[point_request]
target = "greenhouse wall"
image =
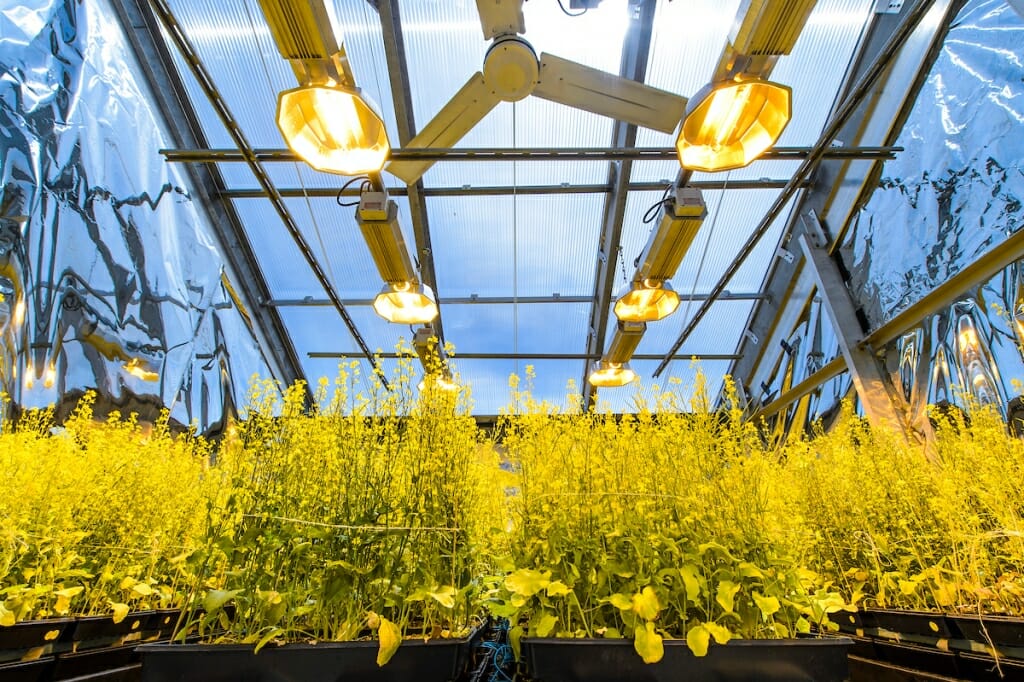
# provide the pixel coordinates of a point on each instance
(954, 193)
(111, 279)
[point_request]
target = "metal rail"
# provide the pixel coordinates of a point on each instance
(530, 154)
(523, 356)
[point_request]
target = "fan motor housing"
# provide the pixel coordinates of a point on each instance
(511, 68)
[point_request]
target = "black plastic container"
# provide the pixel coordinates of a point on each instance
(924, 658)
(92, 631)
(921, 623)
(981, 667)
(1002, 631)
(431, 661)
(19, 639)
(94, 662)
(28, 671)
(615, 660)
(848, 621)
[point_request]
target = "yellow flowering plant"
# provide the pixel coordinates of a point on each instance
(648, 526)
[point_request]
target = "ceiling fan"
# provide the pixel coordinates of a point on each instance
(512, 70)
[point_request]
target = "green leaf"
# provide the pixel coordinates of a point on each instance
(621, 601)
(527, 582)
(749, 570)
(6, 616)
(721, 549)
(390, 637)
(645, 604)
(515, 636)
(557, 588)
(768, 605)
(719, 632)
(648, 643)
(142, 589)
(265, 639)
(688, 573)
(908, 587)
(545, 625)
(726, 595)
(445, 596)
(216, 599)
(698, 639)
(803, 626)
(120, 612)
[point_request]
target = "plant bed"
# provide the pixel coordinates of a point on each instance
(94, 662)
(602, 660)
(998, 631)
(431, 661)
(923, 658)
(981, 667)
(870, 670)
(923, 623)
(93, 631)
(28, 671)
(850, 622)
(34, 638)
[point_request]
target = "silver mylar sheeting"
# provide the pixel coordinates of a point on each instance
(955, 192)
(111, 280)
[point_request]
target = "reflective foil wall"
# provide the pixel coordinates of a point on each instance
(110, 278)
(953, 194)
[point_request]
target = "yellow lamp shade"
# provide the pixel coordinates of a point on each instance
(605, 374)
(646, 302)
(732, 124)
(406, 303)
(333, 129)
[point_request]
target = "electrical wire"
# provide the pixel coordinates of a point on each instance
(570, 14)
(362, 188)
(651, 213)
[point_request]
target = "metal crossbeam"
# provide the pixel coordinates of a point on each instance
(506, 190)
(880, 403)
(530, 154)
(247, 154)
(523, 356)
(309, 301)
(632, 65)
(206, 183)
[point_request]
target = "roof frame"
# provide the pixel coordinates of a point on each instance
(633, 65)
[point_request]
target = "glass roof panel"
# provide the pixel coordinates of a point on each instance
(488, 380)
(553, 239)
(285, 270)
(542, 327)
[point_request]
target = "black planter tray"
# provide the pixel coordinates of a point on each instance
(439, 660)
(102, 630)
(615, 660)
(981, 667)
(1002, 631)
(17, 639)
(94, 662)
(924, 658)
(848, 621)
(923, 623)
(28, 671)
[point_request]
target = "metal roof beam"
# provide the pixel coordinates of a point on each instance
(464, 154)
(521, 356)
(633, 65)
(207, 185)
(401, 95)
(492, 300)
(842, 186)
(505, 190)
(177, 34)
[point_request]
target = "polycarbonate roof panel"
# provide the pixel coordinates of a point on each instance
(716, 334)
(320, 329)
(552, 239)
(519, 328)
(488, 380)
(287, 273)
(446, 47)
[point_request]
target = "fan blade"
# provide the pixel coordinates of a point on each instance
(499, 17)
(603, 93)
(467, 108)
